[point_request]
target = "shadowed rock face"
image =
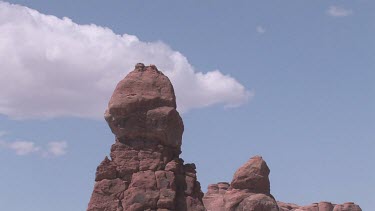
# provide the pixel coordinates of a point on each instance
(144, 171)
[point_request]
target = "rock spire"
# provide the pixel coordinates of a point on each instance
(144, 171)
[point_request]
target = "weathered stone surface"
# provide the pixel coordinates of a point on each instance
(143, 106)
(107, 195)
(139, 198)
(144, 171)
(233, 197)
(348, 206)
(214, 198)
(257, 202)
(222, 197)
(106, 170)
(194, 204)
(165, 179)
(250, 191)
(144, 179)
(166, 199)
(325, 206)
(286, 206)
(321, 206)
(173, 166)
(311, 207)
(253, 176)
(144, 88)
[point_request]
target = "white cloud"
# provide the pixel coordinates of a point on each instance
(57, 148)
(337, 11)
(54, 149)
(260, 29)
(53, 67)
(23, 147)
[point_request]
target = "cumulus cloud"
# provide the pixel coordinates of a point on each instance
(53, 67)
(53, 149)
(336, 11)
(260, 29)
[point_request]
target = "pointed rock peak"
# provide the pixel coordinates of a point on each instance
(253, 176)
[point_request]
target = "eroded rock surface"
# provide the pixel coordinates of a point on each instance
(253, 176)
(250, 191)
(144, 171)
(321, 206)
(143, 106)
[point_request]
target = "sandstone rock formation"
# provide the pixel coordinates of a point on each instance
(250, 191)
(144, 171)
(321, 206)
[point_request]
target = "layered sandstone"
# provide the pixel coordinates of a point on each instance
(144, 171)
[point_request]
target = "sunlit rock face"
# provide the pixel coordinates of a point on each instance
(144, 171)
(321, 206)
(250, 191)
(253, 176)
(143, 106)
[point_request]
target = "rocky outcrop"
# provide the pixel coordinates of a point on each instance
(321, 206)
(144, 171)
(253, 176)
(143, 106)
(250, 191)
(214, 198)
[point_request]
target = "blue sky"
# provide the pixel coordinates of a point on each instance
(292, 81)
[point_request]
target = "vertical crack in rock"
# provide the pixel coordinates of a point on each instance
(144, 171)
